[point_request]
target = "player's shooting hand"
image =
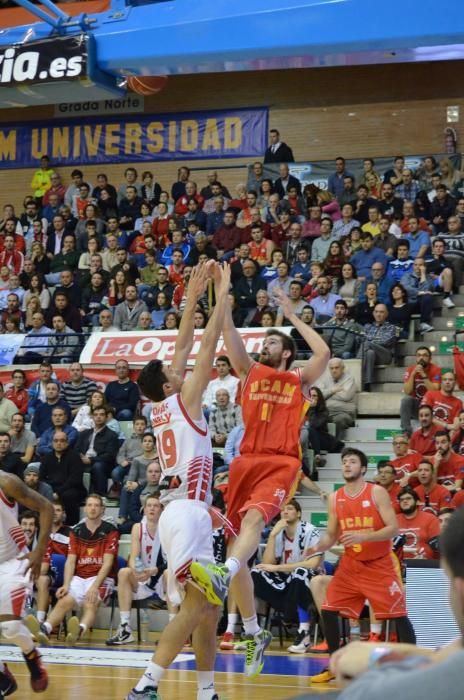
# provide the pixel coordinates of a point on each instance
(222, 279)
(34, 562)
(283, 301)
(350, 538)
(197, 282)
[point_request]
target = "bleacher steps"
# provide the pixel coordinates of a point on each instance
(375, 404)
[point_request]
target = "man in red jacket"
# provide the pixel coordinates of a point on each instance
(418, 379)
(419, 528)
(445, 405)
(423, 439)
(432, 496)
(405, 462)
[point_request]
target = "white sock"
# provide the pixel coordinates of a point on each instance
(303, 627)
(205, 682)
(152, 676)
(83, 627)
(41, 615)
(232, 620)
(125, 618)
(233, 565)
(251, 625)
(376, 628)
(48, 627)
(171, 616)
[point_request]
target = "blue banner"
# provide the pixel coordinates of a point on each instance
(131, 138)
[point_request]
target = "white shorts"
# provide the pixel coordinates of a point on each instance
(186, 535)
(143, 591)
(15, 586)
(79, 587)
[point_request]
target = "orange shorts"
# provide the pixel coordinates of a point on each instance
(264, 482)
(376, 580)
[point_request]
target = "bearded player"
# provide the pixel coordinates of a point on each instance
(18, 569)
(186, 458)
(362, 518)
(274, 403)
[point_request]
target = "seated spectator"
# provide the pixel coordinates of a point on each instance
(31, 478)
(378, 344)
(10, 462)
(255, 315)
(248, 285)
(145, 322)
(440, 271)
(52, 569)
(418, 527)
(457, 436)
(423, 439)
(176, 267)
(372, 224)
(419, 287)
(12, 310)
(342, 332)
(315, 432)
(282, 578)
(7, 411)
(126, 314)
(402, 263)
(29, 524)
(301, 268)
(91, 582)
(23, 440)
(260, 248)
(224, 380)
(66, 259)
(72, 290)
(419, 240)
(134, 584)
(432, 496)
(399, 310)
(343, 226)
(228, 236)
(385, 240)
(178, 243)
(129, 268)
(83, 419)
(37, 390)
(339, 391)
(130, 448)
(123, 394)
(382, 282)
(362, 204)
(224, 416)
(445, 406)
(201, 247)
(58, 423)
(297, 302)
(65, 344)
(449, 467)
(405, 462)
(117, 288)
(389, 204)
(348, 286)
(136, 478)
(352, 243)
(37, 289)
(386, 477)
(43, 413)
(153, 476)
(62, 306)
(171, 321)
(77, 389)
(418, 379)
(443, 206)
(365, 258)
(94, 299)
(308, 318)
(334, 261)
(324, 304)
(283, 280)
(105, 318)
(321, 246)
(454, 247)
(98, 448)
(35, 345)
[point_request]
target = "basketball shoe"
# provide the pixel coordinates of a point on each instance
(148, 693)
(123, 636)
(75, 631)
(324, 676)
(38, 630)
(255, 646)
(39, 675)
(8, 683)
(301, 644)
(212, 580)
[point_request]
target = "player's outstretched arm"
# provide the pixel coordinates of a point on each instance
(240, 359)
(184, 340)
(193, 388)
(17, 490)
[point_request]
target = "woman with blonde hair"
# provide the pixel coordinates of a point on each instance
(40, 260)
(84, 420)
(329, 205)
(449, 175)
(32, 307)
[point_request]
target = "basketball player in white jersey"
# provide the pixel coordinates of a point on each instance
(185, 453)
(139, 585)
(18, 569)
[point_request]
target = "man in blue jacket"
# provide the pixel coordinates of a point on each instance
(364, 259)
(43, 414)
(123, 394)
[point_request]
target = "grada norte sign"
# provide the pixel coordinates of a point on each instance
(139, 347)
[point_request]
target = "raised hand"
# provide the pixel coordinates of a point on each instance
(222, 278)
(283, 301)
(197, 282)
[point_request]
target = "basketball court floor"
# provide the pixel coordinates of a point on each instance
(95, 672)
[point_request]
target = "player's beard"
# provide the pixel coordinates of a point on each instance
(269, 360)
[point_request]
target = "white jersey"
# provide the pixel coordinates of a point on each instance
(185, 452)
(149, 546)
(12, 537)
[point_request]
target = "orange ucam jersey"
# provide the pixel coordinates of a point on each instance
(360, 513)
(274, 404)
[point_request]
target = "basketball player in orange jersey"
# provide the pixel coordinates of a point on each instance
(274, 402)
(18, 569)
(362, 518)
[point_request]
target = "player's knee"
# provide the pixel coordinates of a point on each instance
(124, 574)
(252, 519)
(12, 629)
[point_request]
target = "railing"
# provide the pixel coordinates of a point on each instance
(61, 347)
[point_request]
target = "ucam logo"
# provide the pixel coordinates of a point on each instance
(61, 58)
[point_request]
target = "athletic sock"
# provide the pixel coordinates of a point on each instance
(376, 628)
(48, 627)
(41, 615)
(232, 620)
(205, 682)
(151, 677)
(83, 627)
(251, 625)
(233, 565)
(303, 619)
(125, 618)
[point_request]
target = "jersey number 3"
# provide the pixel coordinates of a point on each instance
(168, 449)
